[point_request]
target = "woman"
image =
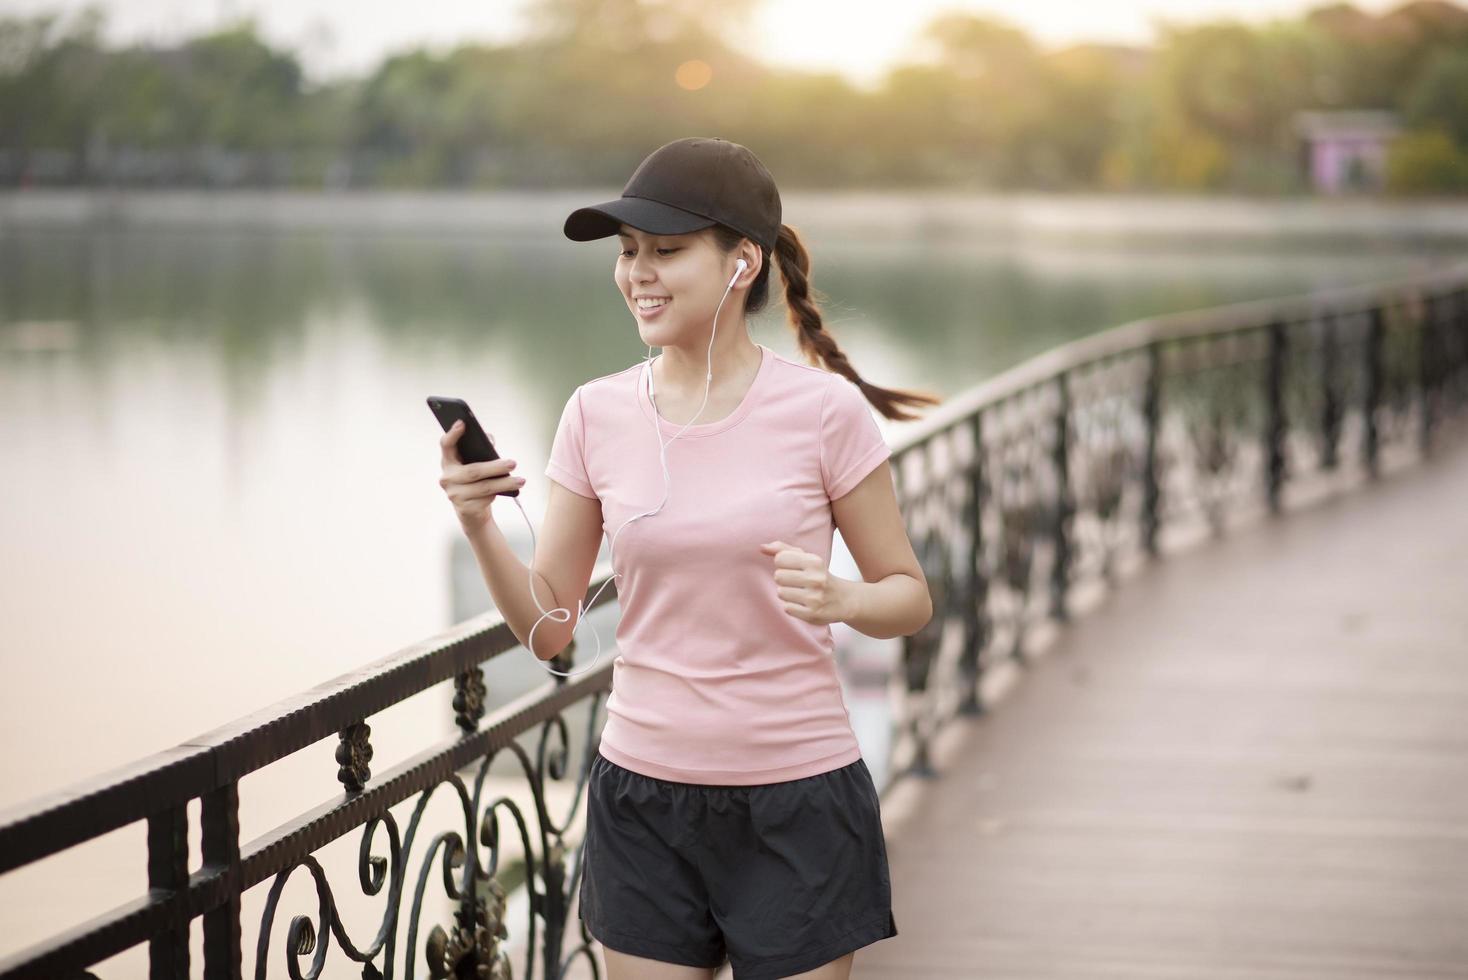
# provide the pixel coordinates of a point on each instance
(729, 811)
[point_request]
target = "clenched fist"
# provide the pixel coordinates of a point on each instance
(811, 593)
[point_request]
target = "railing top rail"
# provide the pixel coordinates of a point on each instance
(128, 793)
(1128, 337)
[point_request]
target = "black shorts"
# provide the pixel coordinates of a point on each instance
(779, 878)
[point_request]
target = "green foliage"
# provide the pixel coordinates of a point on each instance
(596, 83)
(231, 89)
(1438, 98)
(1427, 162)
(49, 73)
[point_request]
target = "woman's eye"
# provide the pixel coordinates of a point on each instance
(629, 251)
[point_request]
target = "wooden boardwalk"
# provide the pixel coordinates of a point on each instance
(1250, 762)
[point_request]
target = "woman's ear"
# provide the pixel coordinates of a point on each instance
(750, 253)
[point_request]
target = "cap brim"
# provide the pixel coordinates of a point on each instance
(653, 217)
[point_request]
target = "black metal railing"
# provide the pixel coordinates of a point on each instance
(1039, 488)
(1028, 496)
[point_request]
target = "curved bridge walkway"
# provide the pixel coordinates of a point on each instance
(1250, 761)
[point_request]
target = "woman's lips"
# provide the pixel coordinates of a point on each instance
(649, 314)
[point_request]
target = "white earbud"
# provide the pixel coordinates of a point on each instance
(740, 266)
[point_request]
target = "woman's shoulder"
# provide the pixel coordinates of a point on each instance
(799, 370)
(615, 382)
(612, 376)
(835, 399)
(808, 379)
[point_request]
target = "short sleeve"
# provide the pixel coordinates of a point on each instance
(851, 444)
(567, 463)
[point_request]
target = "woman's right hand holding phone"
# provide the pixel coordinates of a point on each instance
(472, 487)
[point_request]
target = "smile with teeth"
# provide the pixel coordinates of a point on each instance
(648, 303)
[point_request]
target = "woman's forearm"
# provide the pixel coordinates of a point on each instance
(898, 605)
(508, 580)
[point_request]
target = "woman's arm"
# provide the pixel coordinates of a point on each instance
(565, 554)
(893, 599)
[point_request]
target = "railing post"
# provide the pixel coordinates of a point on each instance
(1426, 373)
(1151, 483)
(1330, 409)
(1454, 351)
(1461, 365)
(553, 907)
(1275, 423)
(918, 649)
(1375, 342)
(221, 851)
(976, 623)
(1064, 506)
(168, 874)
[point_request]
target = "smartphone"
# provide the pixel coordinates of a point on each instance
(474, 445)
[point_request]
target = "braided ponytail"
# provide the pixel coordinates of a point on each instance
(814, 340)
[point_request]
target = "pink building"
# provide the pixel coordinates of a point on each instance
(1345, 150)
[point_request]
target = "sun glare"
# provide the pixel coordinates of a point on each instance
(693, 75)
(817, 35)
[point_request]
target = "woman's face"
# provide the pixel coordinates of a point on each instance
(689, 272)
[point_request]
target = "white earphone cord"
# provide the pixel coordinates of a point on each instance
(663, 457)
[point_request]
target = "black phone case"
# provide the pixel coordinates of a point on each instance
(474, 446)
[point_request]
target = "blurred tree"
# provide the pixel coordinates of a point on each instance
(427, 117)
(809, 122)
(627, 25)
(1241, 88)
(1427, 162)
(999, 78)
(1373, 59)
(1082, 96)
(601, 84)
(1157, 152)
(1438, 97)
(49, 75)
(1240, 85)
(913, 117)
(980, 47)
(230, 88)
(597, 83)
(1357, 61)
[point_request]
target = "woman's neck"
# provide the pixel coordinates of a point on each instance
(682, 372)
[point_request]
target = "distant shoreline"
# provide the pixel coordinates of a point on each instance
(939, 214)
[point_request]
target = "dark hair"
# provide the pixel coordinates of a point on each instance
(815, 341)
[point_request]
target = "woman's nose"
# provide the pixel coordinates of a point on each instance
(639, 269)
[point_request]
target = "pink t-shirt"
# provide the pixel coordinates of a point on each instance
(714, 682)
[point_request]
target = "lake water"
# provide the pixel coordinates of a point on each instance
(220, 477)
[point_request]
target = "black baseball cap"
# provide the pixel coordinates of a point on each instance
(685, 185)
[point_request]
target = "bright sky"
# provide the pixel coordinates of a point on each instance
(347, 36)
